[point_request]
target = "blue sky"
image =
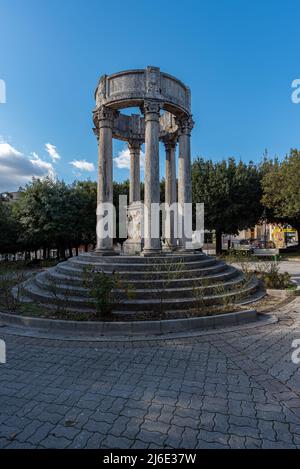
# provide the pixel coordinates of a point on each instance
(239, 58)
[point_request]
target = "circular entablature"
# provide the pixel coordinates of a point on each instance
(131, 88)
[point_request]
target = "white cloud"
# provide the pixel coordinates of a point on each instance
(42, 165)
(51, 150)
(83, 165)
(122, 161)
(16, 169)
(6, 150)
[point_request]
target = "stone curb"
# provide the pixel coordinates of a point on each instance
(131, 328)
(35, 333)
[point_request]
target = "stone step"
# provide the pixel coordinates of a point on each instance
(92, 257)
(166, 290)
(33, 291)
(204, 269)
(216, 275)
(256, 295)
(171, 304)
(149, 265)
(201, 280)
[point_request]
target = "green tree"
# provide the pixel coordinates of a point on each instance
(44, 212)
(281, 189)
(231, 193)
(9, 230)
(82, 213)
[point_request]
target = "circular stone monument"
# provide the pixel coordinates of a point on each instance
(168, 275)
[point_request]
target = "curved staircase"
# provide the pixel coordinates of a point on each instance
(178, 281)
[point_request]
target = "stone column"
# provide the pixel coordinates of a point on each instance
(152, 244)
(170, 191)
(104, 117)
(135, 185)
(185, 125)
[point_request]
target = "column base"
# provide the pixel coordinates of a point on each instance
(151, 252)
(168, 246)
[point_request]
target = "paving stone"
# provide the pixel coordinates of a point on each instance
(8, 432)
(95, 441)
(41, 433)
(151, 437)
(266, 430)
(174, 437)
(55, 443)
(154, 426)
(243, 421)
(154, 411)
(296, 440)
(213, 437)
(237, 442)
(29, 430)
(4, 442)
(266, 444)
(202, 444)
(207, 421)
(189, 439)
(133, 412)
(138, 444)
(185, 422)
(221, 423)
(97, 426)
(18, 445)
(68, 432)
(253, 443)
(106, 417)
(113, 442)
(236, 389)
(119, 426)
(80, 441)
(166, 414)
(283, 432)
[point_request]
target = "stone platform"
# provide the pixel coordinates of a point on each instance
(175, 281)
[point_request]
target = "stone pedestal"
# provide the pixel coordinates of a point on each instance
(134, 243)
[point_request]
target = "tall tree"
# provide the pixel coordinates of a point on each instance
(83, 201)
(281, 189)
(231, 193)
(43, 211)
(9, 230)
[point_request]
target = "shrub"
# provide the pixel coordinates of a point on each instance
(272, 278)
(102, 288)
(10, 277)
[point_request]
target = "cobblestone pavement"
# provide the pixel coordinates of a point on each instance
(231, 390)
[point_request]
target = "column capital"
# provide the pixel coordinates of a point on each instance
(185, 124)
(151, 108)
(134, 144)
(170, 142)
(104, 117)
